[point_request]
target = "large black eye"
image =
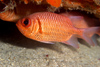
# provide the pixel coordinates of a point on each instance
(26, 22)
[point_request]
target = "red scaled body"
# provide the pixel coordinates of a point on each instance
(51, 27)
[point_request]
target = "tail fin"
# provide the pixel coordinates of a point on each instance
(88, 33)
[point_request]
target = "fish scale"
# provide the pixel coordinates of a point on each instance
(50, 27)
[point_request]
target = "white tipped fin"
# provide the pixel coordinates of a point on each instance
(72, 41)
(88, 33)
(88, 40)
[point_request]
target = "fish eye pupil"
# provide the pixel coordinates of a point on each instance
(26, 22)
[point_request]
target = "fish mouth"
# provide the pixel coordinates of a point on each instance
(18, 25)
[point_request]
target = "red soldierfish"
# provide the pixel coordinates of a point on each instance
(50, 27)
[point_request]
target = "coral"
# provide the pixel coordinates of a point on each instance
(90, 6)
(55, 3)
(86, 5)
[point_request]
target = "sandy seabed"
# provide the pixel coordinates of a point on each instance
(19, 51)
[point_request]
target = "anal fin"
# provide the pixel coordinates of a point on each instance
(72, 41)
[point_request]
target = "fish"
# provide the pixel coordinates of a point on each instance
(9, 15)
(50, 27)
